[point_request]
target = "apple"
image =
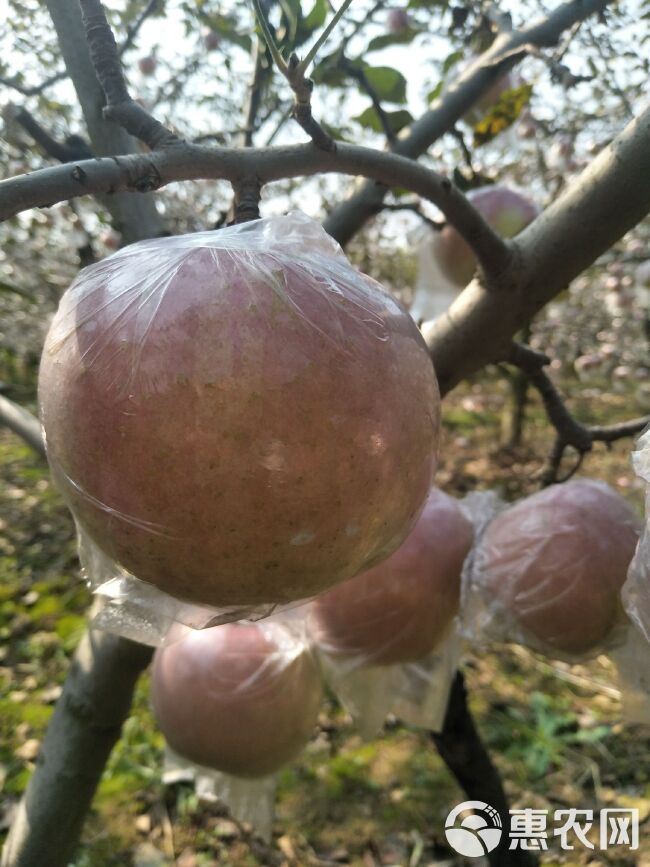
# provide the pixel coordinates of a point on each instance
(506, 210)
(399, 610)
(397, 20)
(242, 698)
(555, 562)
(211, 40)
(239, 417)
(111, 239)
(147, 65)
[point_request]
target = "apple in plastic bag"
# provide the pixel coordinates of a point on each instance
(239, 417)
(555, 563)
(401, 609)
(507, 212)
(242, 698)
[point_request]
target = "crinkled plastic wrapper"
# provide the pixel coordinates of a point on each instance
(636, 591)
(224, 414)
(416, 693)
(236, 703)
(632, 660)
(251, 801)
(514, 586)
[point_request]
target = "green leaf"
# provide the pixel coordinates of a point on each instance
(451, 60)
(225, 27)
(388, 83)
(502, 114)
(327, 72)
(437, 90)
(397, 120)
(316, 17)
(406, 35)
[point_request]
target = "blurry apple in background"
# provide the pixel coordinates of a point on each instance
(211, 40)
(506, 210)
(242, 698)
(554, 564)
(398, 20)
(111, 239)
(401, 609)
(147, 65)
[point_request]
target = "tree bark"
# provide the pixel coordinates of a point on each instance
(133, 215)
(22, 423)
(85, 725)
(462, 750)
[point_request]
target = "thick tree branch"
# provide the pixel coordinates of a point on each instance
(22, 423)
(86, 723)
(120, 108)
(610, 197)
(134, 216)
(74, 148)
(462, 750)
(190, 162)
(506, 51)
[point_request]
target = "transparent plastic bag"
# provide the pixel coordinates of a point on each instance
(636, 591)
(547, 572)
(251, 801)
(416, 693)
(241, 698)
(386, 637)
(632, 660)
(225, 413)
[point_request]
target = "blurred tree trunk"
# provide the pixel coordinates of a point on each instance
(134, 215)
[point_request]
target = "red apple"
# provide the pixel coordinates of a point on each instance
(147, 65)
(241, 698)
(397, 20)
(239, 417)
(399, 610)
(507, 211)
(555, 563)
(111, 239)
(211, 40)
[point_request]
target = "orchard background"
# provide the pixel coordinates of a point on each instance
(572, 288)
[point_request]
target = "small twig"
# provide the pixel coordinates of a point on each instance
(278, 59)
(467, 154)
(363, 22)
(74, 148)
(294, 72)
(570, 433)
(254, 94)
(416, 209)
(358, 74)
(313, 51)
(120, 108)
(36, 89)
(134, 29)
